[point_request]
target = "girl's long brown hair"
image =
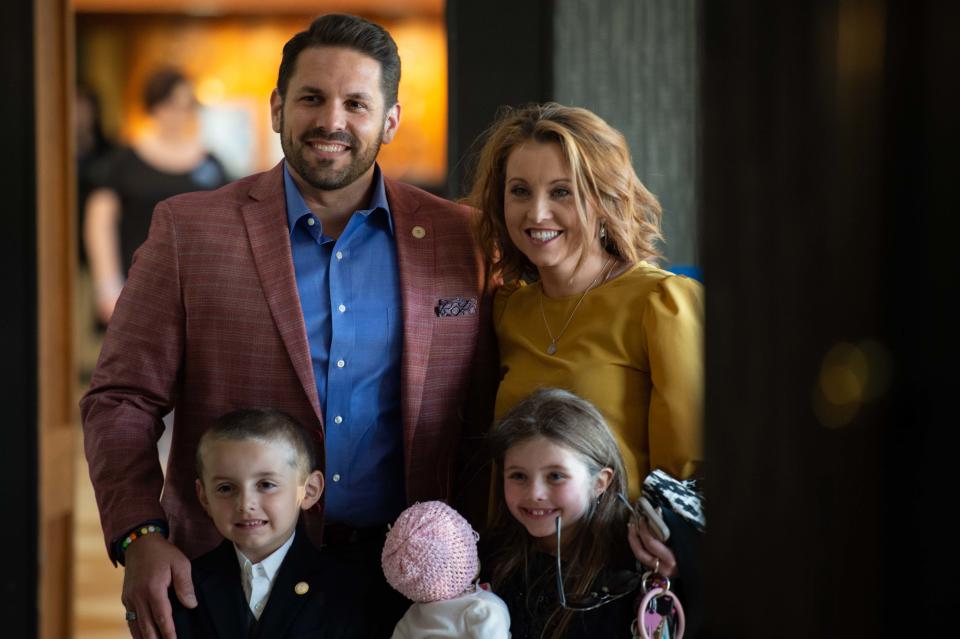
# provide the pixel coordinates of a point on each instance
(603, 177)
(574, 423)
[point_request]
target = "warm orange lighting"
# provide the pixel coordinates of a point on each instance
(210, 90)
(423, 102)
(233, 62)
(275, 7)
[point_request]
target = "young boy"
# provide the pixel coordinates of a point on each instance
(256, 472)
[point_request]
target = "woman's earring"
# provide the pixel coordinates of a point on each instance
(603, 231)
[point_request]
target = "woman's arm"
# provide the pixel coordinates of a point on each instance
(101, 240)
(673, 330)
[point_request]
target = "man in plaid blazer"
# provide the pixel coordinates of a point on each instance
(225, 307)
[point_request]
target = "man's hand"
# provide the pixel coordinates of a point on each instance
(152, 564)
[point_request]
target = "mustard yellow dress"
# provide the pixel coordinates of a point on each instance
(634, 348)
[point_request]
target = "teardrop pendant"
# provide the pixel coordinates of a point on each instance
(552, 348)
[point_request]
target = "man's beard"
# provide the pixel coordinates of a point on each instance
(322, 175)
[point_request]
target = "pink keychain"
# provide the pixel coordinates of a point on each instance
(660, 615)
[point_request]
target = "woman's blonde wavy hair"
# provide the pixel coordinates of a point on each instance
(603, 177)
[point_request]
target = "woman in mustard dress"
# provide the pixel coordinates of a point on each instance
(573, 232)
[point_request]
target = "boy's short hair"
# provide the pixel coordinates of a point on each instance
(264, 424)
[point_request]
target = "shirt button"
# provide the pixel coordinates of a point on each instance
(339, 255)
(341, 363)
(338, 420)
(311, 221)
(342, 308)
(336, 477)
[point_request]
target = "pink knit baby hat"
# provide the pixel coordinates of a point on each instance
(430, 553)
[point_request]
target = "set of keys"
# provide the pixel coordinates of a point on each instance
(660, 615)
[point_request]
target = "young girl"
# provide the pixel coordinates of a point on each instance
(559, 460)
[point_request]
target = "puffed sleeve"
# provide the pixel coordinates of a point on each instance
(673, 328)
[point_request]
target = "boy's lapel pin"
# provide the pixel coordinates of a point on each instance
(301, 588)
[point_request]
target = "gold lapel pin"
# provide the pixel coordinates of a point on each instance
(301, 588)
(418, 232)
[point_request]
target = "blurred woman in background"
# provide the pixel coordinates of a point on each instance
(167, 160)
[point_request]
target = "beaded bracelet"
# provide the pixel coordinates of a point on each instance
(140, 532)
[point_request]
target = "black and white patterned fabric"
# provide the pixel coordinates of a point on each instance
(682, 497)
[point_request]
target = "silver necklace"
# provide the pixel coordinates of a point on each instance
(552, 348)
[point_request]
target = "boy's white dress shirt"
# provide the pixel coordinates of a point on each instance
(258, 578)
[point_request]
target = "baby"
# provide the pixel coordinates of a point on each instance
(430, 556)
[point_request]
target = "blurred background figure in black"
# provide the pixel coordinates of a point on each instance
(92, 145)
(167, 159)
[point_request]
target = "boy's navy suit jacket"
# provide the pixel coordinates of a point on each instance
(325, 611)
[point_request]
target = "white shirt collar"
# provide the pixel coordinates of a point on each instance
(257, 579)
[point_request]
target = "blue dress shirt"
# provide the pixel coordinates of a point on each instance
(350, 294)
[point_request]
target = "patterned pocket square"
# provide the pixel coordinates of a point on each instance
(453, 306)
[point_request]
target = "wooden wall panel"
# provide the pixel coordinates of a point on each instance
(56, 257)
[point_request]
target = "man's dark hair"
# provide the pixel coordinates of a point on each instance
(160, 85)
(264, 424)
(352, 32)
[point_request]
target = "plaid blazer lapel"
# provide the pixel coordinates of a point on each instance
(266, 221)
(416, 261)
